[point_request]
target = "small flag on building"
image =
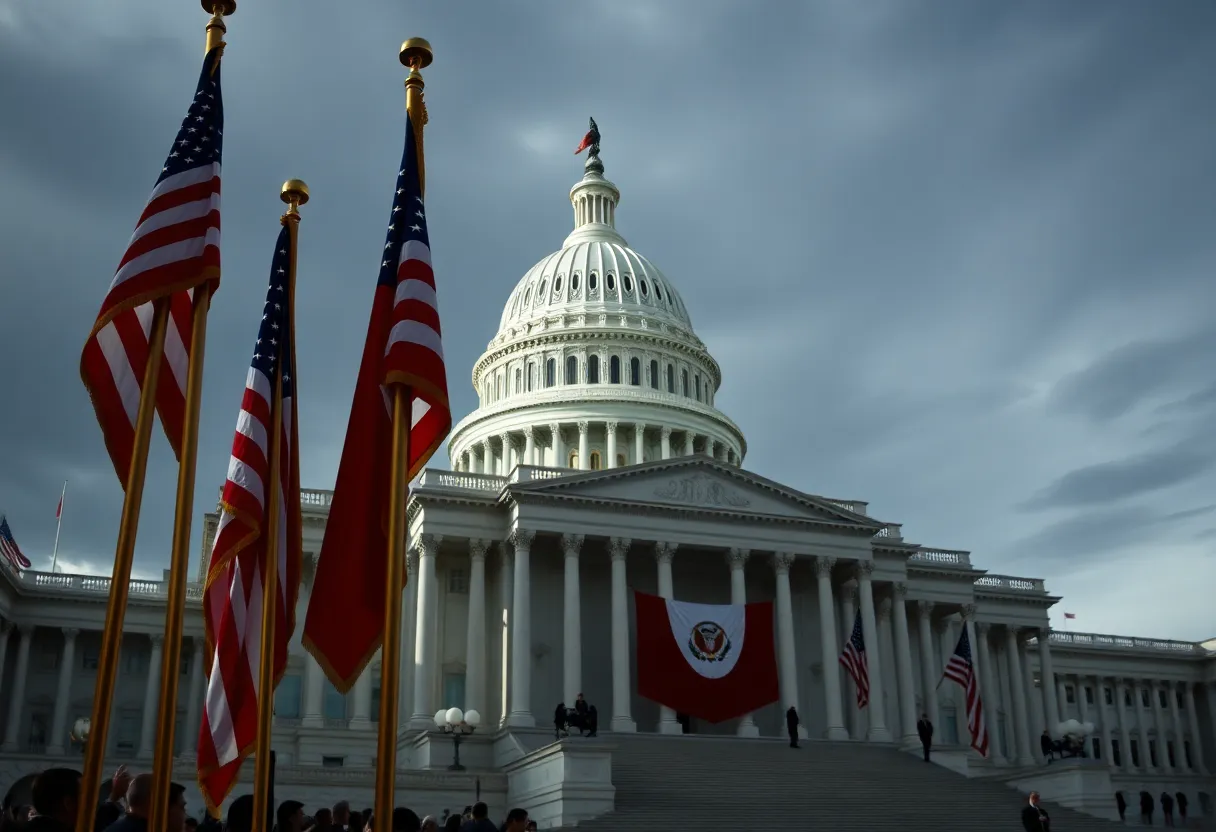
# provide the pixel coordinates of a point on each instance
(853, 657)
(1070, 615)
(10, 548)
(961, 669)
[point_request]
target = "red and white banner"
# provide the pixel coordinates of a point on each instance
(712, 661)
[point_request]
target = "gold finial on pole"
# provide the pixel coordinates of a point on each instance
(218, 9)
(295, 194)
(416, 55)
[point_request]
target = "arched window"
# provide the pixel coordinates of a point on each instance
(540, 295)
(697, 380)
(519, 375)
(628, 281)
(635, 371)
(684, 382)
(611, 282)
(571, 370)
(593, 369)
(671, 379)
(497, 387)
(642, 285)
(527, 296)
(572, 460)
(531, 375)
(574, 283)
(654, 374)
(557, 284)
(551, 372)
(620, 460)
(596, 462)
(658, 291)
(614, 370)
(593, 280)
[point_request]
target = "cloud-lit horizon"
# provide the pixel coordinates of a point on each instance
(954, 259)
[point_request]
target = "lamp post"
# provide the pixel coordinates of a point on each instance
(80, 732)
(459, 724)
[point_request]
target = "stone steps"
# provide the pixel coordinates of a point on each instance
(684, 782)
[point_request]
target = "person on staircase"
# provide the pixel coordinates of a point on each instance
(560, 718)
(1167, 808)
(1034, 816)
(1047, 746)
(1121, 805)
(1181, 806)
(924, 730)
(1146, 808)
(791, 725)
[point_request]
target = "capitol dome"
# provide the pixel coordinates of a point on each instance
(595, 363)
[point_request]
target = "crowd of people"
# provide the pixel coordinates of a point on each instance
(56, 803)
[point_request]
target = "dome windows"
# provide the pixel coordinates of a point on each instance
(551, 372)
(593, 282)
(671, 379)
(593, 369)
(527, 296)
(572, 460)
(544, 285)
(614, 370)
(628, 281)
(635, 371)
(643, 288)
(658, 291)
(697, 385)
(684, 382)
(571, 370)
(557, 285)
(574, 282)
(596, 461)
(654, 375)
(611, 282)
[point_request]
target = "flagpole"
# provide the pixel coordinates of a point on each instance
(170, 669)
(58, 527)
(416, 54)
(124, 553)
(295, 194)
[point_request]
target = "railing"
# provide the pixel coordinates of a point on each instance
(891, 531)
(315, 498)
(1009, 583)
(954, 558)
(855, 506)
(95, 584)
(1106, 642)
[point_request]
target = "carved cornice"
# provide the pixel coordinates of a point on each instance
(664, 551)
(899, 591)
(428, 545)
(924, 609)
(521, 539)
(478, 548)
(736, 558)
(782, 561)
(968, 611)
(884, 609)
(618, 547)
(864, 570)
(824, 566)
(572, 544)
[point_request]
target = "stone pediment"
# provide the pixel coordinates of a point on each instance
(699, 484)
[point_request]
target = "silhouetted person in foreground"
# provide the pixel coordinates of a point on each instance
(924, 730)
(1167, 808)
(791, 726)
(56, 796)
(481, 820)
(1146, 808)
(1181, 806)
(1121, 805)
(1034, 816)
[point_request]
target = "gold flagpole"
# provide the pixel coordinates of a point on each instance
(170, 671)
(120, 579)
(295, 194)
(416, 54)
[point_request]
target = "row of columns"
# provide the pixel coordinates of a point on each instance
(57, 742)
(500, 454)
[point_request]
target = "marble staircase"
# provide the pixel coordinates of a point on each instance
(667, 783)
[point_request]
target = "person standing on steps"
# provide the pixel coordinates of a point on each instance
(1034, 816)
(791, 725)
(1181, 806)
(1167, 808)
(1121, 805)
(1146, 808)
(924, 730)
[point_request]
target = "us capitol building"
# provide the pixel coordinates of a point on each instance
(596, 463)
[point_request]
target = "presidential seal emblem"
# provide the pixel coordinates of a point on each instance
(708, 642)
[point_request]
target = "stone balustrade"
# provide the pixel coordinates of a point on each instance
(955, 558)
(1011, 583)
(32, 579)
(1108, 642)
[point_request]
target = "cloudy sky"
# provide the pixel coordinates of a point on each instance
(955, 258)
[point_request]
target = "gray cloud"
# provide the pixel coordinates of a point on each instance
(1103, 534)
(1109, 482)
(920, 240)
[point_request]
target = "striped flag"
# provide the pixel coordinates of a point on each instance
(404, 348)
(853, 657)
(232, 598)
(961, 669)
(175, 248)
(9, 548)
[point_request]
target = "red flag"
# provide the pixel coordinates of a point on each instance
(712, 661)
(175, 248)
(1070, 615)
(345, 621)
(961, 670)
(232, 597)
(59, 508)
(587, 141)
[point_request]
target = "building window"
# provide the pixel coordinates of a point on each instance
(1127, 698)
(1135, 747)
(1097, 748)
(572, 460)
(531, 375)
(458, 582)
(287, 698)
(1152, 754)
(697, 379)
(551, 372)
(1108, 695)
(332, 761)
(333, 704)
(1163, 699)
(518, 381)
(611, 283)
(453, 690)
(376, 699)
(89, 657)
(1115, 754)
(684, 382)
(557, 284)
(654, 375)
(1178, 699)
(635, 371)
(1169, 753)
(614, 370)
(574, 283)
(593, 281)
(593, 369)
(527, 296)
(572, 370)
(1070, 695)
(671, 379)
(1144, 698)
(596, 462)
(497, 388)
(128, 730)
(1089, 696)
(643, 287)
(48, 660)
(620, 461)
(544, 285)
(628, 281)
(135, 663)
(1186, 753)
(658, 291)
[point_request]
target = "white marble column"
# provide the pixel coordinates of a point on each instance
(314, 693)
(559, 447)
(622, 688)
(1037, 721)
(63, 692)
(663, 554)
(611, 428)
(903, 667)
(830, 648)
(361, 720)
(886, 653)
(1078, 689)
(786, 651)
(572, 621)
(865, 594)
(1192, 718)
(147, 731)
(944, 628)
(1021, 733)
(423, 717)
(1159, 732)
(928, 665)
(736, 559)
(689, 439)
(1062, 697)
(529, 446)
(848, 613)
(13, 728)
(487, 458)
(409, 628)
(195, 698)
(1009, 748)
(1171, 691)
(506, 592)
(6, 627)
(639, 443)
(475, 633)
(665, 443)
(709, 447)
(520, 715)
(1125, 735)
(1146, 757)
(988, 689)
(1103, 720)
(1047, 679)
(584, 452)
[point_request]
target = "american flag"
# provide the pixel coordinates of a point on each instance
(10, 548)
(232, 599)
(961, 669)
(403, 348)
(175, 248)
(853, 657)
